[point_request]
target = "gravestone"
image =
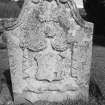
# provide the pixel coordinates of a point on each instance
(50, 50)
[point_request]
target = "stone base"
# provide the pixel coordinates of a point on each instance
(50, 97)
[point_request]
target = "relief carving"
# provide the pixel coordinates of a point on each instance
(54, 45)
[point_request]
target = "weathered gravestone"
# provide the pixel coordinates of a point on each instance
(50, 50)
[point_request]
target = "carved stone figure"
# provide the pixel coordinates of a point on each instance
(49, 49)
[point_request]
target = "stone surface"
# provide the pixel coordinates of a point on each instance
(79, 3)
(50, 52)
